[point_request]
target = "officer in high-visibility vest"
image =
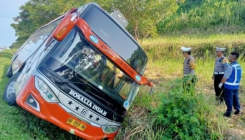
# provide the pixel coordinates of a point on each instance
(231, 81)
(221, 64)
(188, 69)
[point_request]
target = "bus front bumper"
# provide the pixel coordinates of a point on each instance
(55, 114)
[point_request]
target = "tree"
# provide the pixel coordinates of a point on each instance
(143, 15)
(36, 13)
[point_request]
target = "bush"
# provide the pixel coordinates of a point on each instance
(184, 115)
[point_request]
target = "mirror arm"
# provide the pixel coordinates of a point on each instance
(145, 81)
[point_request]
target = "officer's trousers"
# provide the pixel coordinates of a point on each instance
(218, 91)
(231, 98)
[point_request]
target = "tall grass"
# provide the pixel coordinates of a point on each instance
(207, 16)
(173, 114)
(194, 40)
(166, 58)
(203, 47)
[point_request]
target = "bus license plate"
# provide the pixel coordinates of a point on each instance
(76, 124)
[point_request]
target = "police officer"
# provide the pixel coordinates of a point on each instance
(231, 81)
(188, 69)
(221, 63)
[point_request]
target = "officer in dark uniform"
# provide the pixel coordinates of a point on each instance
(188, 69)
(221, 64)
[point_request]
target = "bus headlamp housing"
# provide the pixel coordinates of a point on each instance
(110, 129)
(45, 91)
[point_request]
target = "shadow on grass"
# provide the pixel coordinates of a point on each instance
(3, 78)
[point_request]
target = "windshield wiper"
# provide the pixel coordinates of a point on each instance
(67, 82)
(85, 83)
(56, 80)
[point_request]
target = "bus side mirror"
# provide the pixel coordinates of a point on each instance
(73, 10)
(65, 26)
(150, 84)
(152, 90)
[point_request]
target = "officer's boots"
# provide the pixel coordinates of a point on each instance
(227, 114)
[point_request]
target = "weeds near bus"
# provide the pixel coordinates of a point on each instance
(184, 115)
(178, 115)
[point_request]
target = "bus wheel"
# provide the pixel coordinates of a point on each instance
(9, 95)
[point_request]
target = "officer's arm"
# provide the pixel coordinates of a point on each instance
(192, 66)
(227, 74)
(225, 63)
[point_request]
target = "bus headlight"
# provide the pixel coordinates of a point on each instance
(45, 91)
(110, 129)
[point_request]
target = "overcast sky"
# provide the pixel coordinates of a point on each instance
(8, 10)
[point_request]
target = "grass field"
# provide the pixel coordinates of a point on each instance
(16, 123)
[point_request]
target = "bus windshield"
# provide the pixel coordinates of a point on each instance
(116, 37)
(76, 60)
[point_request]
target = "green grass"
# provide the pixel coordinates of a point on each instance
(167, 48)
(165, 65)
(189, 40)
(169, 69)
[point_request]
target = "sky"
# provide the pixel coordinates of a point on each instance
(8, 10)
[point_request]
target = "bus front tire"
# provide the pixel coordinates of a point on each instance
(9, 95)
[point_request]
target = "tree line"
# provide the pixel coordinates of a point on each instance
(147, 18)
(143, 15)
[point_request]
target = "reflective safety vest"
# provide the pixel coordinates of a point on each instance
(233, 81)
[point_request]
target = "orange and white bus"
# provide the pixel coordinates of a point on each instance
(80, 72)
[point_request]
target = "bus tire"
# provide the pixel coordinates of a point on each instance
(9, 95)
